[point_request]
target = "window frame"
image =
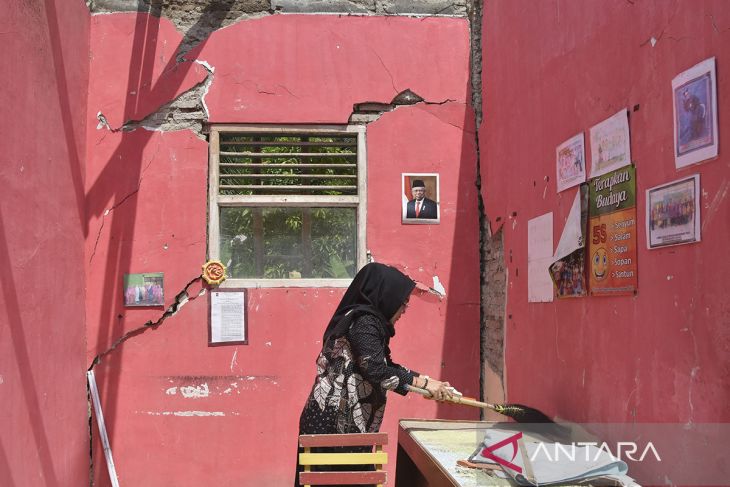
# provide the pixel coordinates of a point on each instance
(217, 201)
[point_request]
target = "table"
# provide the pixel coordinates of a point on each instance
(429, 449)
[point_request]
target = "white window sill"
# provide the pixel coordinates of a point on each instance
(270, 283)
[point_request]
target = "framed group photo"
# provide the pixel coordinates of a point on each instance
(673, 213)
(146, 289)
(420, 198)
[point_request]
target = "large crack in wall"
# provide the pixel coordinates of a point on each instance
(181, 299)
(492, 273)
(493, 302)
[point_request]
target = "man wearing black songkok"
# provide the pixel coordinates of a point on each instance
(420, 206)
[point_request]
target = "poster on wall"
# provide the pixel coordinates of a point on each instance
(610, 145)
(695, 114)
(673, 213)
(570, 157)
(227, 317)
(420, 198)
(568, 268)
(146, 289)
(539, 258)
(612, 266)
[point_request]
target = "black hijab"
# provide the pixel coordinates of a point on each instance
(377, 289)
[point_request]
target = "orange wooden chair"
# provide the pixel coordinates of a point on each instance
(308, 459)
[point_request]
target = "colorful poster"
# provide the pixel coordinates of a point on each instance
(568, 268)
(570, 162)
(612, 266)
(610, 147)
(695, 114)
(673, 213)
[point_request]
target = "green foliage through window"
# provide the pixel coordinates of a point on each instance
(257, 164)
(279, 240)
(284, 243)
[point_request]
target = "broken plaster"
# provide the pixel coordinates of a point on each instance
(370, 111)
(188, 111)
(185, 413)
(438, 287)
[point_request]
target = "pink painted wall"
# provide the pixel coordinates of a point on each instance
(44, 440)
(182, 413)
(551, 70)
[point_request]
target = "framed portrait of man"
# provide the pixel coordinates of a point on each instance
(420, 198)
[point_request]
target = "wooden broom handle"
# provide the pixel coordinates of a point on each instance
(467, 401)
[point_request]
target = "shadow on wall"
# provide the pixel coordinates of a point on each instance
(127, 159)
(15, 304)
(463, 299)
(24, 365)
(72, 143)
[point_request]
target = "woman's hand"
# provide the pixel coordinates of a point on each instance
(440, 391)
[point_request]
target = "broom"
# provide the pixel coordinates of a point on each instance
(518, 412)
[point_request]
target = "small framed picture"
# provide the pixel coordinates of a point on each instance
(420, 198)
(673, 213)
(145, 289)
(695, 114)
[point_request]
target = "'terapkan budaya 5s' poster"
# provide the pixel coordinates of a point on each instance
(612, 266)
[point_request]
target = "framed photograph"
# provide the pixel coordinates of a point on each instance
(673, 213)
(420, 198)
(227, 324)
(610, 144)
(695, 114)
(570, 162)
(145, 289)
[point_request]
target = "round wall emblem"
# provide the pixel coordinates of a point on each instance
(214, 272)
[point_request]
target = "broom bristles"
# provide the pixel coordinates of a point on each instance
(522, 413)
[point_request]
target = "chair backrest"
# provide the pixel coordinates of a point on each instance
(378, 458)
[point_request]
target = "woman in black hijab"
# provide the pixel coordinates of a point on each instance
(354, 368)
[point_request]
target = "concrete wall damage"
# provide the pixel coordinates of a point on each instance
(149, 165)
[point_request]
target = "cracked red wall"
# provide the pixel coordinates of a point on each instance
(44, 439)
(236, 424)
(554, 69)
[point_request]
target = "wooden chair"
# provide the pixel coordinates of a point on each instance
(378, 458)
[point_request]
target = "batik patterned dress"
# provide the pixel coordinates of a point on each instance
(354, 372)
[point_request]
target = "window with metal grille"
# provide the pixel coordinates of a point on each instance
(287, 203)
